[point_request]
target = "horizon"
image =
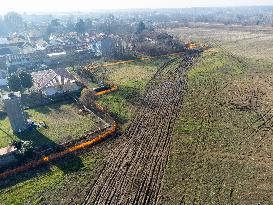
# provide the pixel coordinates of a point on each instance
(106, 5)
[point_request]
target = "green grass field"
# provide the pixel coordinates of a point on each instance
(222, 146)
(50, 185)
(63, 120)
(131, 80)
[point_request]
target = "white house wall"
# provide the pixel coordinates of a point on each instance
(49, 91)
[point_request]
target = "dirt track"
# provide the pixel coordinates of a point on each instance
(134, 172)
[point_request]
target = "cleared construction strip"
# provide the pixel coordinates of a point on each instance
(134, 170)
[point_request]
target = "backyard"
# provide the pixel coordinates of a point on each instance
(64, 122)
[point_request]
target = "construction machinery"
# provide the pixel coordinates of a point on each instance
(191, 45)
(197, 46)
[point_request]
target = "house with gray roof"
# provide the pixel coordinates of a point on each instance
(56, 82)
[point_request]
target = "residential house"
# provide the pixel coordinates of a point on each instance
(41, 45)
(17, 40)
(28, 48)
(52, 82)
(4, 42)
(17, 60)
(9, 50)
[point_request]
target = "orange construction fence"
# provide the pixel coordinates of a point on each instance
(55, 156)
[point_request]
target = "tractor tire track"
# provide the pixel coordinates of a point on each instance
(134, 171)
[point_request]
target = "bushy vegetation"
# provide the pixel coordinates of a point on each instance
(20, 81)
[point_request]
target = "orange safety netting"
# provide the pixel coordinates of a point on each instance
(55, 156)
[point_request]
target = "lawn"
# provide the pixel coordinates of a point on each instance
(63, 120)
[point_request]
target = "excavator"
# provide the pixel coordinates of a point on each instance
(199, 47)
(191, 45)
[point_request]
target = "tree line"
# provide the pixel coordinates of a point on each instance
(123, 22)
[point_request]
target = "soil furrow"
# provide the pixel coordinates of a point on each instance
(134, 171)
